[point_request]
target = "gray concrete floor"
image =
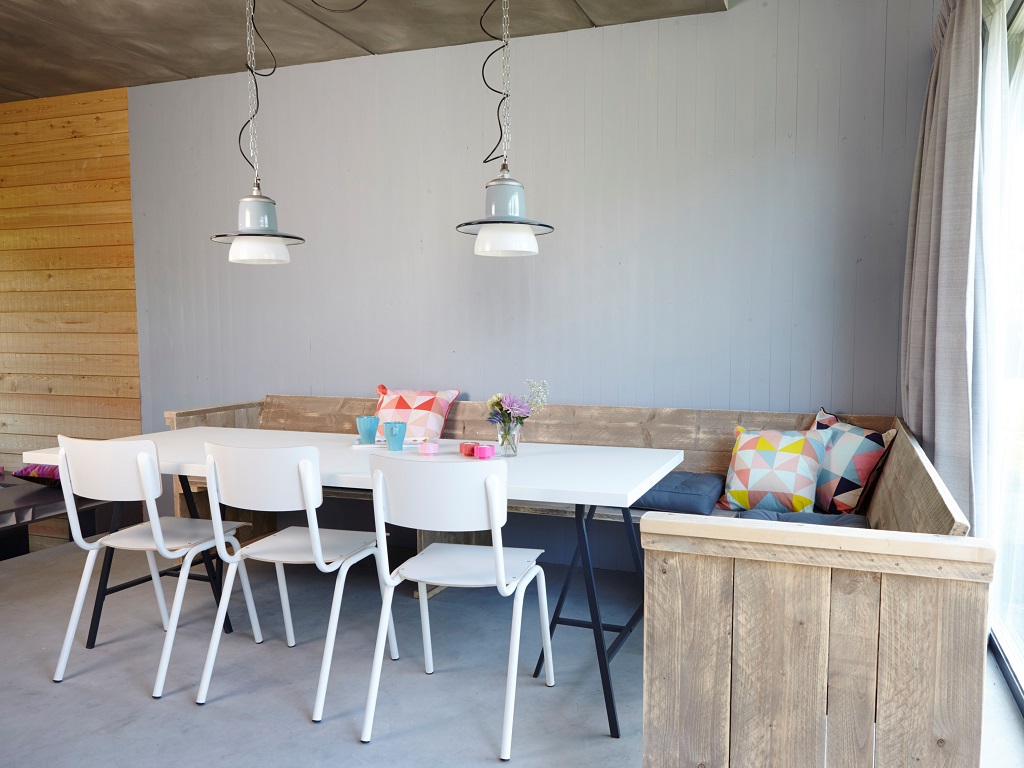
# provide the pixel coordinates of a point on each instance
(261, 697)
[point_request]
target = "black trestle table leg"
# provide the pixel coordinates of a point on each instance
(214, 574)
(101, 588)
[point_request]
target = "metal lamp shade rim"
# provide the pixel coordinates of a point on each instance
(230, 236)
(473, 227)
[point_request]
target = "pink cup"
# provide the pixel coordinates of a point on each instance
(428, 448)
(483, 451)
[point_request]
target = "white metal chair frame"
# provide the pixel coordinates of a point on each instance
(279, 480)
(121, 471)
(453, 502)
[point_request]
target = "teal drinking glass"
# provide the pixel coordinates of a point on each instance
(394, 434)
(367, 426)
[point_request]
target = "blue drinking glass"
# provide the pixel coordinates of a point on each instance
(394, 434)
(367, 426)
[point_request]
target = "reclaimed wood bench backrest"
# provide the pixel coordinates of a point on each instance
(908, 496)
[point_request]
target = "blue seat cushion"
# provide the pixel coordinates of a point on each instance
(814, 518)
(680, 491)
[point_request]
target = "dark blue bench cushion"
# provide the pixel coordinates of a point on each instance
(681, 491)
(814, 518)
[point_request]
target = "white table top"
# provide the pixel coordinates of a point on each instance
(607, 476)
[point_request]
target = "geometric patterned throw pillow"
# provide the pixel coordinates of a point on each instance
(775, 470)
(44, 474)
(423, 411)
(849, 464)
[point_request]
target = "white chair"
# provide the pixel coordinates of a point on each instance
(128, 470)
(283, 480)
(451, 493)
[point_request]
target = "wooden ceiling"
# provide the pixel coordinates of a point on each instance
(54, 47)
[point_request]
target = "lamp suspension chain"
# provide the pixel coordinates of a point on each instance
(250, 58)
(506, 77)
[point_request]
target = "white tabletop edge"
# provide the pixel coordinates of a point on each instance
(608, 476)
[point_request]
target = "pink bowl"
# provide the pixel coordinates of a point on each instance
(483, 451)
(428, 448)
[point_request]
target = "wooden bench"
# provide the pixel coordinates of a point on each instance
(755, 632)
(706, 436)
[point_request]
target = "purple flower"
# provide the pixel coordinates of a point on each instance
(516, 407)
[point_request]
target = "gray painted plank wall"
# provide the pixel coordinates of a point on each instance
(729, 194)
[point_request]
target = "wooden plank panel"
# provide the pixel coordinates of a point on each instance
(65, 171)
(68, 280)
(909, 494)
(779, 665)
(68, 322)
(18, 424)
(69, 405)
(18, 444)
(70, 343)
(69, 127)
(70, 384)
(829, 551)
(68, 301)
(84, 148)
(96, 257)
(12, 461)
(852, 668)
(81, 364)
(66, 237)
(66, 193)
(931, 672)
(67, 215)
(63, 106)
(244, 415)
(687, 664)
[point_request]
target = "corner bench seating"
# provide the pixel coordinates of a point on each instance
(757, 631)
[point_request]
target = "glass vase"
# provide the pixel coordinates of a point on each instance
(508, 440)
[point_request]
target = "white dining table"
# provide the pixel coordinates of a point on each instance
(587, 476)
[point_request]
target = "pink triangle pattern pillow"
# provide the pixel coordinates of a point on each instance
(850, 464)
(775, 470)
(424, 411)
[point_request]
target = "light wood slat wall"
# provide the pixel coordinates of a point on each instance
(69, 360)
(729, 194)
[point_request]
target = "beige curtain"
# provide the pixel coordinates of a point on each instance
(938, 286)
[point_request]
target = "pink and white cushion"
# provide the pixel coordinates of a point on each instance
(424, 411)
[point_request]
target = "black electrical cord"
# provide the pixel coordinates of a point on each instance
(491, 156)
(256, 85)
(340, 10)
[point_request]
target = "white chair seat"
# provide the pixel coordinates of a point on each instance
(461, 565)
(292, 546)
(179, 533)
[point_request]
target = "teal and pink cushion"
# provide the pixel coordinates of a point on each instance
(680, 491)
(775, 470)
(44, 474)
(851, 462)
(424, 411)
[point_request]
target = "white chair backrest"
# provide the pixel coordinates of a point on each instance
(442, 493)
(110, 470)
(266, 479)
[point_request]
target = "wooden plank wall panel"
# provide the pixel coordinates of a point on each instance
(69, 360)
(924, 718)
(687, 660)
(852, 668)
(780, 624)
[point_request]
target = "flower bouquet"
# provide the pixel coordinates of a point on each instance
(508, 412)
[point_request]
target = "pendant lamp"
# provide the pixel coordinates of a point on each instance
(504, 230)
(257, 239)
